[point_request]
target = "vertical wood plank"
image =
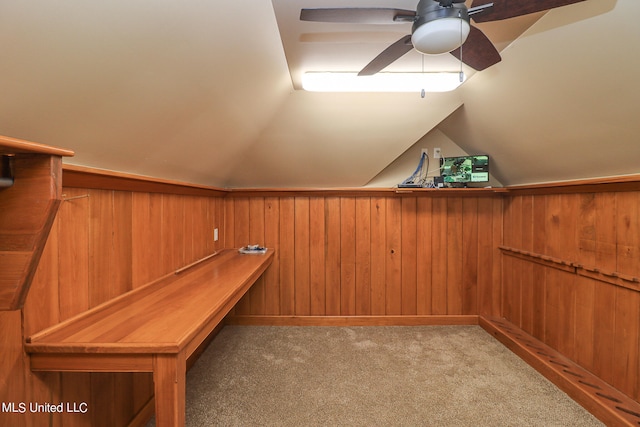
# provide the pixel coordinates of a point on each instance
(538, 273)
(409, 242)
(121, 273)
(605, 295)
(393, 260)
(485, 253)
(555, 308)
(454, 255)
(272, 240)
(423, 255)
(219, 222)
(229, 237)
(100, 253)
(73, 262)
(347, 256)
(585, 296)
(439, 257)
(171, 248)
(378, 255)
(470, 256)
(242, 237)
(497, 236)
(332, 268)
(512, 287)
(627, 321)
(526, 272)
(146, 235)
(241, 222)
(189, 246)
(628, 233)
(317, 239)
(287, 256)
(302, 278)
(257, 237)
(569, 204)
(363, 256)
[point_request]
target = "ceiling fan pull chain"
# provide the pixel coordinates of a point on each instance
(422, 92)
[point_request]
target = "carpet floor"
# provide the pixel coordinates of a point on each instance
(370, 376)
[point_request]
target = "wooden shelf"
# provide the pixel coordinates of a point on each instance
(363, 192)
(28, 209)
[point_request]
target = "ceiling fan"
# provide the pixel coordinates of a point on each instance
(439, 26)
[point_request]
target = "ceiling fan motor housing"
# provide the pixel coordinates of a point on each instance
(439, 29)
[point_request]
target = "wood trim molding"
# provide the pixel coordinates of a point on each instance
(363, 191)
(616, 183)
(428, 320)
(611, 277)
(607, 403)
(83, 177)
(545, 260)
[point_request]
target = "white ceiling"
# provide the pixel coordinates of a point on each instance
(204, 92)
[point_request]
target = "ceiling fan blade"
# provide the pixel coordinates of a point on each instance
(504, 9)
(358, 15)
(477, 51)
(387, 56)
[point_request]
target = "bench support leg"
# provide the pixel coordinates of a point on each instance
(169, 378)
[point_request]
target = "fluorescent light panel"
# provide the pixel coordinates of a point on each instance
(381, 82)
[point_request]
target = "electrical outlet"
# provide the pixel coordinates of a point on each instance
(425, 151)
(215, 234)
(437, 153)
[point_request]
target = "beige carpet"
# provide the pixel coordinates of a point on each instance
(370, 376)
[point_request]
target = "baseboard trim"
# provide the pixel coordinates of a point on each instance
(605, 402)
(352, 320)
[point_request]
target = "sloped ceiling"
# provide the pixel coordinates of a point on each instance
(564, 101)
(204, 92)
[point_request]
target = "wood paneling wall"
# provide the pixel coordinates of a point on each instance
(395, 255)
(343, 254)
(103, 243)
(587, 311)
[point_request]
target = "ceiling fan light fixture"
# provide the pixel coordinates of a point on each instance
(440, 36)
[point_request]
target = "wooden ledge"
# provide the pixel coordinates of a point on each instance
(363, 192)
(162, 317)
(10, 145)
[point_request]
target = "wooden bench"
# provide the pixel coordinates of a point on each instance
(154, 328)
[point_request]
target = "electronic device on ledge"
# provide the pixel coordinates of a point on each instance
(462, 170)
(419, 176)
